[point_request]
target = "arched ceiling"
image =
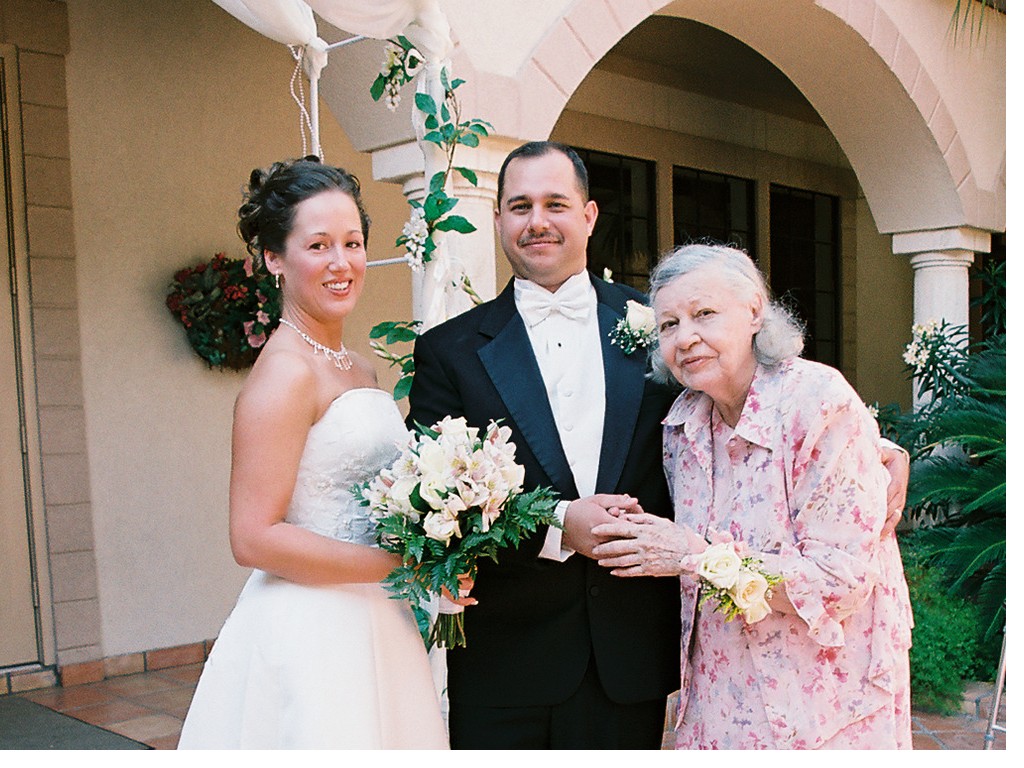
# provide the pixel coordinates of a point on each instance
(847, 65)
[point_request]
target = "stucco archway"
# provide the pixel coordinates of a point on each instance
(920, 120)
(852, 61)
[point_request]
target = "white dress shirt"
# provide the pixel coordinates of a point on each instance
(569, 355)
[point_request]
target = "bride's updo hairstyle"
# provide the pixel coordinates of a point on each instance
(781, 336)
(267, 213)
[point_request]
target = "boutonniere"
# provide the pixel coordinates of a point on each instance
(634, 330)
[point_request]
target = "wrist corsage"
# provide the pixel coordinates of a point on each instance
(733, 578)
(636, 329)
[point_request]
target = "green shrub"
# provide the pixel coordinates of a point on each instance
(946, 637)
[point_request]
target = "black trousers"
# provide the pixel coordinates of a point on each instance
(587, 720)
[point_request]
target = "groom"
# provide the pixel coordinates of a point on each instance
(560, 653)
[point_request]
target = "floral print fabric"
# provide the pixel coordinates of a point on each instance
(799, 480)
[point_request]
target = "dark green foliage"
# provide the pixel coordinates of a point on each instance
(970, 16)
(945, 637)
(958, 441)
(957, 495)
(227, 309)
(992, 300)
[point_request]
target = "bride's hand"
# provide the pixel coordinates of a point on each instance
(466, 582)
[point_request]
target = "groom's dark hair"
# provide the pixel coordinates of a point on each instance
(539, 149)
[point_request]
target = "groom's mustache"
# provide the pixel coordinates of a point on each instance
(546, 238)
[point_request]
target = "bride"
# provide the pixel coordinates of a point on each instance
(315, 654)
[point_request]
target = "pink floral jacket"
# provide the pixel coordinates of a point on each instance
(810, 494)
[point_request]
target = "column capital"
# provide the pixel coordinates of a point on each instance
(940, 240)
(951, 258)
(437, 291)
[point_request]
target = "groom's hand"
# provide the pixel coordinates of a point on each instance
(897, 462)
(583, 515)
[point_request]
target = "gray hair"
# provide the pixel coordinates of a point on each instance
(781, 336)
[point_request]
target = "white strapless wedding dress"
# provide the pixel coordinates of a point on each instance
(326, 667)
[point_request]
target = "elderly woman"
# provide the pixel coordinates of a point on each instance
(776, 460)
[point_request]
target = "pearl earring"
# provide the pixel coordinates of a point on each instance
(277, 280)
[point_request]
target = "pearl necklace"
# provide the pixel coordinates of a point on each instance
(339, 357)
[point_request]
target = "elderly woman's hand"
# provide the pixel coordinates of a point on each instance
(642, 545)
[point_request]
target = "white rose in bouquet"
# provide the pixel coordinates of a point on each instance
(441, 526)
(720, 565)
(434, 489)
(750, 594)
(433, 460)
(398, 499)
(455, 434)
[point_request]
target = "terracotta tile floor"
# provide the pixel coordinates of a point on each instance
(150, 707)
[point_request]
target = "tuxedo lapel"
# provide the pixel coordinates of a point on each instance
(624, 389)
(511, 365)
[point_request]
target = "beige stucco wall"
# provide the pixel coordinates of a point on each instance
(170, 106)
(885, 312)
(979, 61)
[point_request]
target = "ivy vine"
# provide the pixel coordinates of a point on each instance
(446, 129)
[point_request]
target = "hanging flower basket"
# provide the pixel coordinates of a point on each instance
(227, 310)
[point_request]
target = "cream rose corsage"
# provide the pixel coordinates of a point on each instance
(732, 577)
(634, 330)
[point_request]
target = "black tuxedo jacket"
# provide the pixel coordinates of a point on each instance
(539, 621)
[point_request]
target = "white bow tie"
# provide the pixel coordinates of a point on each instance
(536, 305)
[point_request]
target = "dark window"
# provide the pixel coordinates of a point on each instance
(711, 206)
(625, 236)
(805, 271)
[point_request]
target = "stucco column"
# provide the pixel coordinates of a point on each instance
(941, 260)
(473, 253)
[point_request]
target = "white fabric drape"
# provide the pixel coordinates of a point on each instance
(292, 22)
(287, 21)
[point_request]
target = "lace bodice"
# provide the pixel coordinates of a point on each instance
(360, 433)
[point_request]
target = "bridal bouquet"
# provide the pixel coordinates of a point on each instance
(733, 578)
(452, 497)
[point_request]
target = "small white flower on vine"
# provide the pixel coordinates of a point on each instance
(873, 410)
(391, 96)
(392, 59)
(416, 228)
(416, 232)
(415, 261)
